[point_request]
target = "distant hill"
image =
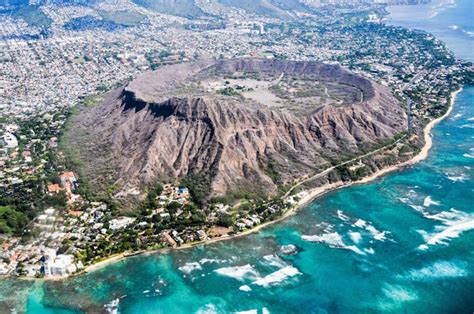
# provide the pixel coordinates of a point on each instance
(259, 7)
(273, 8)
(183, 8)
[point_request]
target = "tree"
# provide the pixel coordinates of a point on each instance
(173, 205)
(198, 218)
(57, 200)
(226, 220)
(12, 220)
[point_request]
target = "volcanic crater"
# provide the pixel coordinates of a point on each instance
(252, 124)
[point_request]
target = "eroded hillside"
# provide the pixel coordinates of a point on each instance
(238, 124)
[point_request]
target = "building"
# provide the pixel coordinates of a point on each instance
(119, 223)
(63, 265)
(53, 188)
(58, 265)
(182, 192)
(169, 239)
(10, 140)
(48, 256)
(68, 181)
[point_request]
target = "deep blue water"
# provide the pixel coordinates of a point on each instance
(404, 243)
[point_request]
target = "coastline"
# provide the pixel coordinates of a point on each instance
(311, 196)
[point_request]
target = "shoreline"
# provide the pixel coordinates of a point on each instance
(311, 196)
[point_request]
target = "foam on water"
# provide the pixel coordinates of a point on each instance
(274, 260)
(395, 297)
(378, 235)
(289, 249)
(112, 307)
(450, 232)
(277, 276)
(356, 237)
(454, 223)
(354, 249)
(341, 215)
(418, 208)
(398, 293)
(203, 261)
(369, 250)
(245, 288)
(404, 200)
(457, 177)
(429, 201)
(208, 309)
(360, 223)
(470, 154)
(190, 267)
(333, 240)
(255, 311)
(450, 217)
(437, 270)
(471, 34)
(238, 272)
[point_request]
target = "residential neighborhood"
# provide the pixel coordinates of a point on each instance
(52, 227)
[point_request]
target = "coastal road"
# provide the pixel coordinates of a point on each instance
(326, 171)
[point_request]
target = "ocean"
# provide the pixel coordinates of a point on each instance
(451, 21)
(403, 243)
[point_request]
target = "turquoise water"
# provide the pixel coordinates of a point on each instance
(404, 243)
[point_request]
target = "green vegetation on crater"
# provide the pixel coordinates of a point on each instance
(228, 91)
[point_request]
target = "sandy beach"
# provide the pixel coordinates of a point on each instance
(309, 197)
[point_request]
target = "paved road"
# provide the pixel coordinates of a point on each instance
(320, 174)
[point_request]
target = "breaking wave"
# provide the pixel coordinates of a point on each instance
(376, 234)
(274, 260)
(238, 272)
(356, 237)
(289, 249)
(245, 288)
(470, 154)
(254, 311)
(278, 276)
(333, 240)
(471, 34)
(457, 177)
(429, 201)
(454, 224)
(437, 270)
(342, 216)
(395, 297)
(190, 267)
(211, 261)
(112, 307)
